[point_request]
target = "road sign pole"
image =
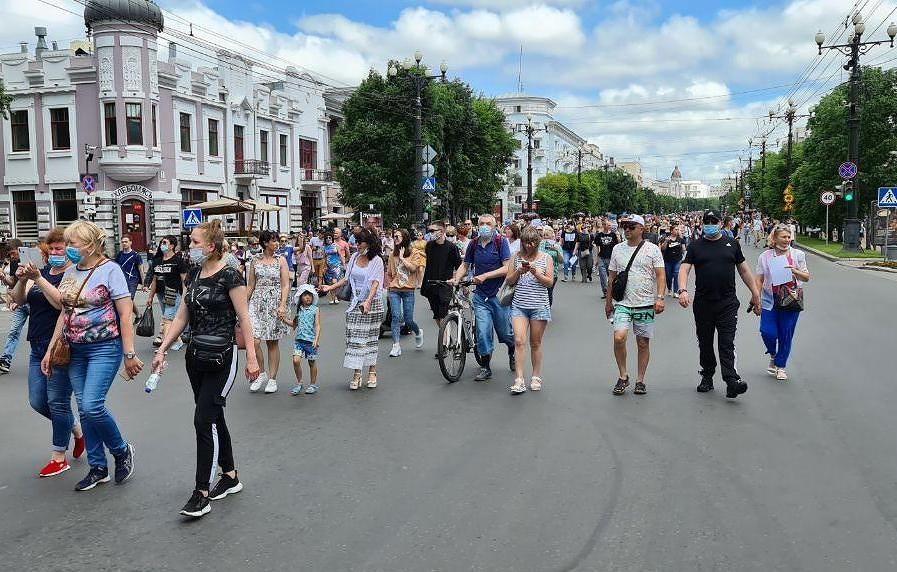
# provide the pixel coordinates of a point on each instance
(826, 225)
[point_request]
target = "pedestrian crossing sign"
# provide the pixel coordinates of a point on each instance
(428, 184)
(192, 218)
(887, 197)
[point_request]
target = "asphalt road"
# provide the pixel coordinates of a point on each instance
(422, 475)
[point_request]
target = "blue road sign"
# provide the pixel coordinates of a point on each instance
(192, 218)
(88, 183)
(847, 170)
(887, 197)
(428, 184)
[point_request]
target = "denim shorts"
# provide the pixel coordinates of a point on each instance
(169, 312)
(305, 350)
(532, 313)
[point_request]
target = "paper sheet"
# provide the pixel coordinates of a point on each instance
(780, 274)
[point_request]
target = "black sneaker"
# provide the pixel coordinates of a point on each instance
(5, 365)
(225, 486)
(705, 385)
(484, 374)
(197, 506)
(96, 476)
(512, 362)
(124, 465)
(735, 388)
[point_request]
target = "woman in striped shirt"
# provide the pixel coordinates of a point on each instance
(533, 273)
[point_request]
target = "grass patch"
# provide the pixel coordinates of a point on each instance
(835, 248)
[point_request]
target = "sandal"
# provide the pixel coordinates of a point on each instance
(620, 387)
(518, 387)
(356, 381)
(372, 380)
(535, 383)
(640, 388)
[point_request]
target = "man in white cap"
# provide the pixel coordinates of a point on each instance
(638, 302)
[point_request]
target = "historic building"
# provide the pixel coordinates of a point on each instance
(107, 129)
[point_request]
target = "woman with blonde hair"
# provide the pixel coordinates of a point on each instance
(215, 299)
(95, 324)
(778, 318)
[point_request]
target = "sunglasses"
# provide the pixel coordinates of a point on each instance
(432, 230)
(628, 225)
(450, 235)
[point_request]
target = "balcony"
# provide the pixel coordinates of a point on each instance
(315, 176)
(251, 169)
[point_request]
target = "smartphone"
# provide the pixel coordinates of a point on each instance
(525, 264)
(31, 255)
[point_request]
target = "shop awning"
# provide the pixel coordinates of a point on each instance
(227, 205)
(336, 216)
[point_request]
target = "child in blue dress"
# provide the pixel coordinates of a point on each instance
(308, 337)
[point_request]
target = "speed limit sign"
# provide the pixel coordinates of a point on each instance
(827, 198)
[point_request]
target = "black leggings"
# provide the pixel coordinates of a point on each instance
(213, 445)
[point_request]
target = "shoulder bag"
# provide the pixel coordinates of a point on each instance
(60, 351)
(345, 292)
(618, 287)
(506, 292)
(789, 296)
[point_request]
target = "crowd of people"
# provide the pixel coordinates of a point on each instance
(219, 299)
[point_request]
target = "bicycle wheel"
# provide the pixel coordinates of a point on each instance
(452, 356)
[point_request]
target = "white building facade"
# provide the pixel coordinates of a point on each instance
(155, 135)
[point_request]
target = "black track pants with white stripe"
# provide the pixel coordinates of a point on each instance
(718, 317)
(213, 445)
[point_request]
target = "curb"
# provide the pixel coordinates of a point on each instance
(833, 258)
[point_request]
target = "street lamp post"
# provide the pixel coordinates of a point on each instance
(529, 128)
(582, 151)
(789, 115)
(417, 73)
(853, 50)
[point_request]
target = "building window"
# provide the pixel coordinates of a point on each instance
(193, 196)
(283, 150)
(66, 206)
(213, 137)
(517, 163)
(516, 109)
(59, 128)
(155, 140)
(110, 124)
(518, 199)
(537, 143)
(185, 133)
(134, 123)
(20, 138)
(25, 215)
(263, 145)
(308, 154)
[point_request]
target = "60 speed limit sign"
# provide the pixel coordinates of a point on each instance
(827, 198)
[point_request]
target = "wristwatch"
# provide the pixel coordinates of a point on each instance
(681, 290)
(659, 297)
(130, 355)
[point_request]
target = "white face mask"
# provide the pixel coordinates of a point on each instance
(451, 238)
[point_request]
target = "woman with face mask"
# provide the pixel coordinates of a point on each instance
(169, 272)
(96, 324)
(51, 396)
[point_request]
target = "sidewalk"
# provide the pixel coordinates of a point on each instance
(857, 263)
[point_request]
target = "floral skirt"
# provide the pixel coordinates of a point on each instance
(363, 335)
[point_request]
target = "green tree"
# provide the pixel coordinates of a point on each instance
(5, 101)
(553, 194)
(620, 191)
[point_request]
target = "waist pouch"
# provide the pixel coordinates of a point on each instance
(210, 353)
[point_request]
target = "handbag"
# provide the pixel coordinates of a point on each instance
(506, 291)
(60, 351)
(788, 296)
(146, 325)
(345, 292)
(210, 353)
(618, 286)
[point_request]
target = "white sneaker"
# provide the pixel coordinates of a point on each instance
(419, 338)
(177, 345)
(257, 384)
(772, 369)
(676, 295)
(396, 350)
(271, 386)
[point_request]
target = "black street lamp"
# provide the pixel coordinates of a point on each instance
(789, 115)
(582, 151)
(529, 128)
(419, 79)
(853, 50)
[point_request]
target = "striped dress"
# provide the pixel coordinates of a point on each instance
(529, 294)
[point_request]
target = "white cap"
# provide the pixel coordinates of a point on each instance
(635, 218)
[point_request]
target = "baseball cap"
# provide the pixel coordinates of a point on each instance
(638, 219)
(711, 216)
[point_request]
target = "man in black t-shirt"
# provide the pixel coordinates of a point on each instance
(605, 240)
(715, 258)
(568, 244)
(583, 249)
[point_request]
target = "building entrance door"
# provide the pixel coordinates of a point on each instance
(133, 223)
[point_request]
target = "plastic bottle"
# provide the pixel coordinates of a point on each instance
(152, 382)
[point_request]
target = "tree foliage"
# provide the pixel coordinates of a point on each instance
(5, 101)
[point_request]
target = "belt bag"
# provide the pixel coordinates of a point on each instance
(210, 353)
(170, 297)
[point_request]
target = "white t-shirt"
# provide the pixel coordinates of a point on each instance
(641, 287)
(514, 246)
(758, 224)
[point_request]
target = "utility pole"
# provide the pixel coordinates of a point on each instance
(529, 129)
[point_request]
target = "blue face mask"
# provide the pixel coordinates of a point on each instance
(56, 260)
(163, 248)
(73, 254)
(711, 230)
(485, 231)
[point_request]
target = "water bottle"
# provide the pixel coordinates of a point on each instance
(152, 381)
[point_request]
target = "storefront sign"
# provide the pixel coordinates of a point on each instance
(130, 190)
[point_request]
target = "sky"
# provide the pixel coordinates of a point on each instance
(662, 82)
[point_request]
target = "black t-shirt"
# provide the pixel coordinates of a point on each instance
(442, 261)
(585, 242)
(208, 299)
(568, 240)
(606, 242)
(42, 315)
(168, 273)
(652, 237)
(673, 251)
(714, 262)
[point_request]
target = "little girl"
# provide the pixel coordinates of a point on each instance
(308, 337)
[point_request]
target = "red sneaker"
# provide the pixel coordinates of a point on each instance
(53, 468)
(79, 447)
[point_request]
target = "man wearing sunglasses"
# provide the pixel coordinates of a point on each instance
(715, 258)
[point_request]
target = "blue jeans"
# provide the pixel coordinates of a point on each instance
(603, 265)
(568, 268)
(672, 269)
(777, 330)
(92, 370)
(401, 304)
(489, 314)
(16, 323)
(51, 397)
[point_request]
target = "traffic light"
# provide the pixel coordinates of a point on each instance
(848, 190)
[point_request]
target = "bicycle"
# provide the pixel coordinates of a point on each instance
(457, 335)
